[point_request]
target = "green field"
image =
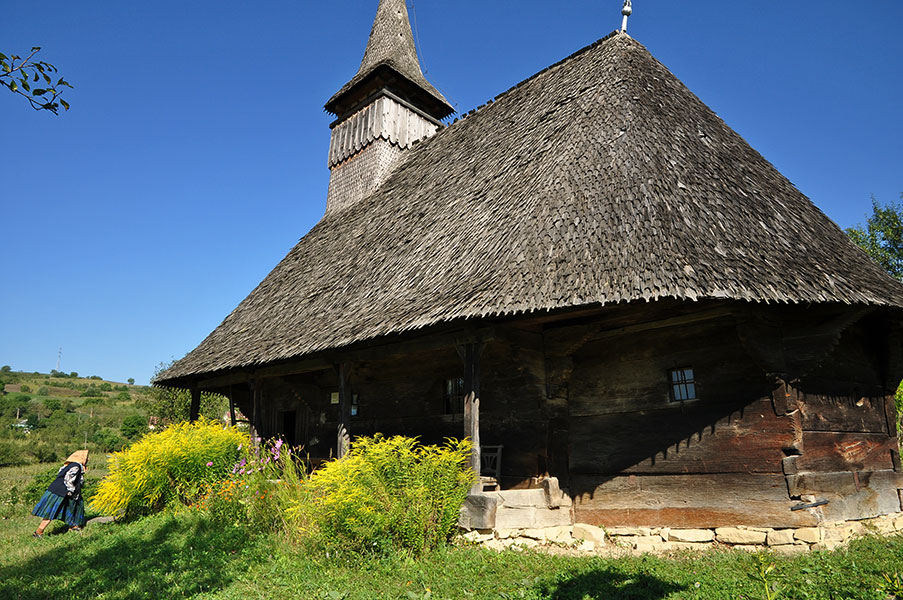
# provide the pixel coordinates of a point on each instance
(43, 418)
(185, 556)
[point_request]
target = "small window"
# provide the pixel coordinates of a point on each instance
(454, 395)
(683, 384)
(355, 405)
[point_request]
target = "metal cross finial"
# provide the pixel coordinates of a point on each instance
(626, 11)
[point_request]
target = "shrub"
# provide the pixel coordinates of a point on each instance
(123, 396)
(134, 426)
(44, 391)
(25, 388)
(105, 387)
(108, 440)
(11, 454)
(43, 452)
(92, 392)
(387, 493)
(39, 484)
(168, 467)
(51, 404)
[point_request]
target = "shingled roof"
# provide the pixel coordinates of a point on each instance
(391, 45)
(600, 180)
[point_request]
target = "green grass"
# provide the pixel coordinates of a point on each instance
(186, 556)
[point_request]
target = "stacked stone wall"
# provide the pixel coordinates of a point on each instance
(616, 541)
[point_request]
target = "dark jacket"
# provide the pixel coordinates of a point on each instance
(68, 482)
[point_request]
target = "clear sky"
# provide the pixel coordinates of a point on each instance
(194, 155)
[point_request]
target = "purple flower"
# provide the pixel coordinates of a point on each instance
(239, 446)
(241, 472)
(278, 444)
(242, 463)
(210, 464)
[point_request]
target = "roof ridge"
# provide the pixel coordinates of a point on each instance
(417, 144)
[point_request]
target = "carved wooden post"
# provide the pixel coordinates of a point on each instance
(194, 410)
(343, 438)
(472, 406)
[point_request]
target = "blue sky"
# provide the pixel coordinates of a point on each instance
(194, 155)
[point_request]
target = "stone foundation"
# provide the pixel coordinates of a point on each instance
(589, 539)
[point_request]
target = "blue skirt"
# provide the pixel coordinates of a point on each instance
(57, 508)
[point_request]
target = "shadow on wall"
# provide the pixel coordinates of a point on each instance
(608, 585)
(163, 562)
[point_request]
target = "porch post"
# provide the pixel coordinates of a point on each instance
(255, 410)
(194, 410)
(343, 438)
(231, 407)
(472, 406)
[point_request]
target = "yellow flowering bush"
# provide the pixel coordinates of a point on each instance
(385, 493)
(169, 466)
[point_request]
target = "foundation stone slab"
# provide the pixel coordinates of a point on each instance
(691, 535)
(810, 535)
(734, 536)
(780, 537)
(589, 533)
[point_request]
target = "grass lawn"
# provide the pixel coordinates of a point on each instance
(184, 555)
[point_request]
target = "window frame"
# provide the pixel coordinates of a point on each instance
(453, 402)
(678, 380)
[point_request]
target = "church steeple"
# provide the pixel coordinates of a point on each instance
(390, 61)
(386, 107)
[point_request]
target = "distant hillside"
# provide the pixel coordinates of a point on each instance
(46, 416)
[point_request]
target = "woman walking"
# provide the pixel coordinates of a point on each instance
(63, 499)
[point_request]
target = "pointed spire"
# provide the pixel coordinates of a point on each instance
(391, 53)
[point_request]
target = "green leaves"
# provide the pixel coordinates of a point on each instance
(17, 74)
(882, 236)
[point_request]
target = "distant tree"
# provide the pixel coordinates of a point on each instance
(17, 74)
(108, 440)
(882, 236)
(73, 375)
(173, 405)
(92, 392)
(6, 369)
(131, 380)
(134, 427)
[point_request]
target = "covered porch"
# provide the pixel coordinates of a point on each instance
(486, 384)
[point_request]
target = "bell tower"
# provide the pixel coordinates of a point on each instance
(386, 107)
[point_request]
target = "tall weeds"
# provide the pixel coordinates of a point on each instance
(171, 466)
(387, 493)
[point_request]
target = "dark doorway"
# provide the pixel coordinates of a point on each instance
(288, 421)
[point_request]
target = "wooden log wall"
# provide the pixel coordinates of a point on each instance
(741, 454)
(638, 458)
(793, 404)
(849, 449)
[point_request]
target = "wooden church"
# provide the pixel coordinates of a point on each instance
(593, 277)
